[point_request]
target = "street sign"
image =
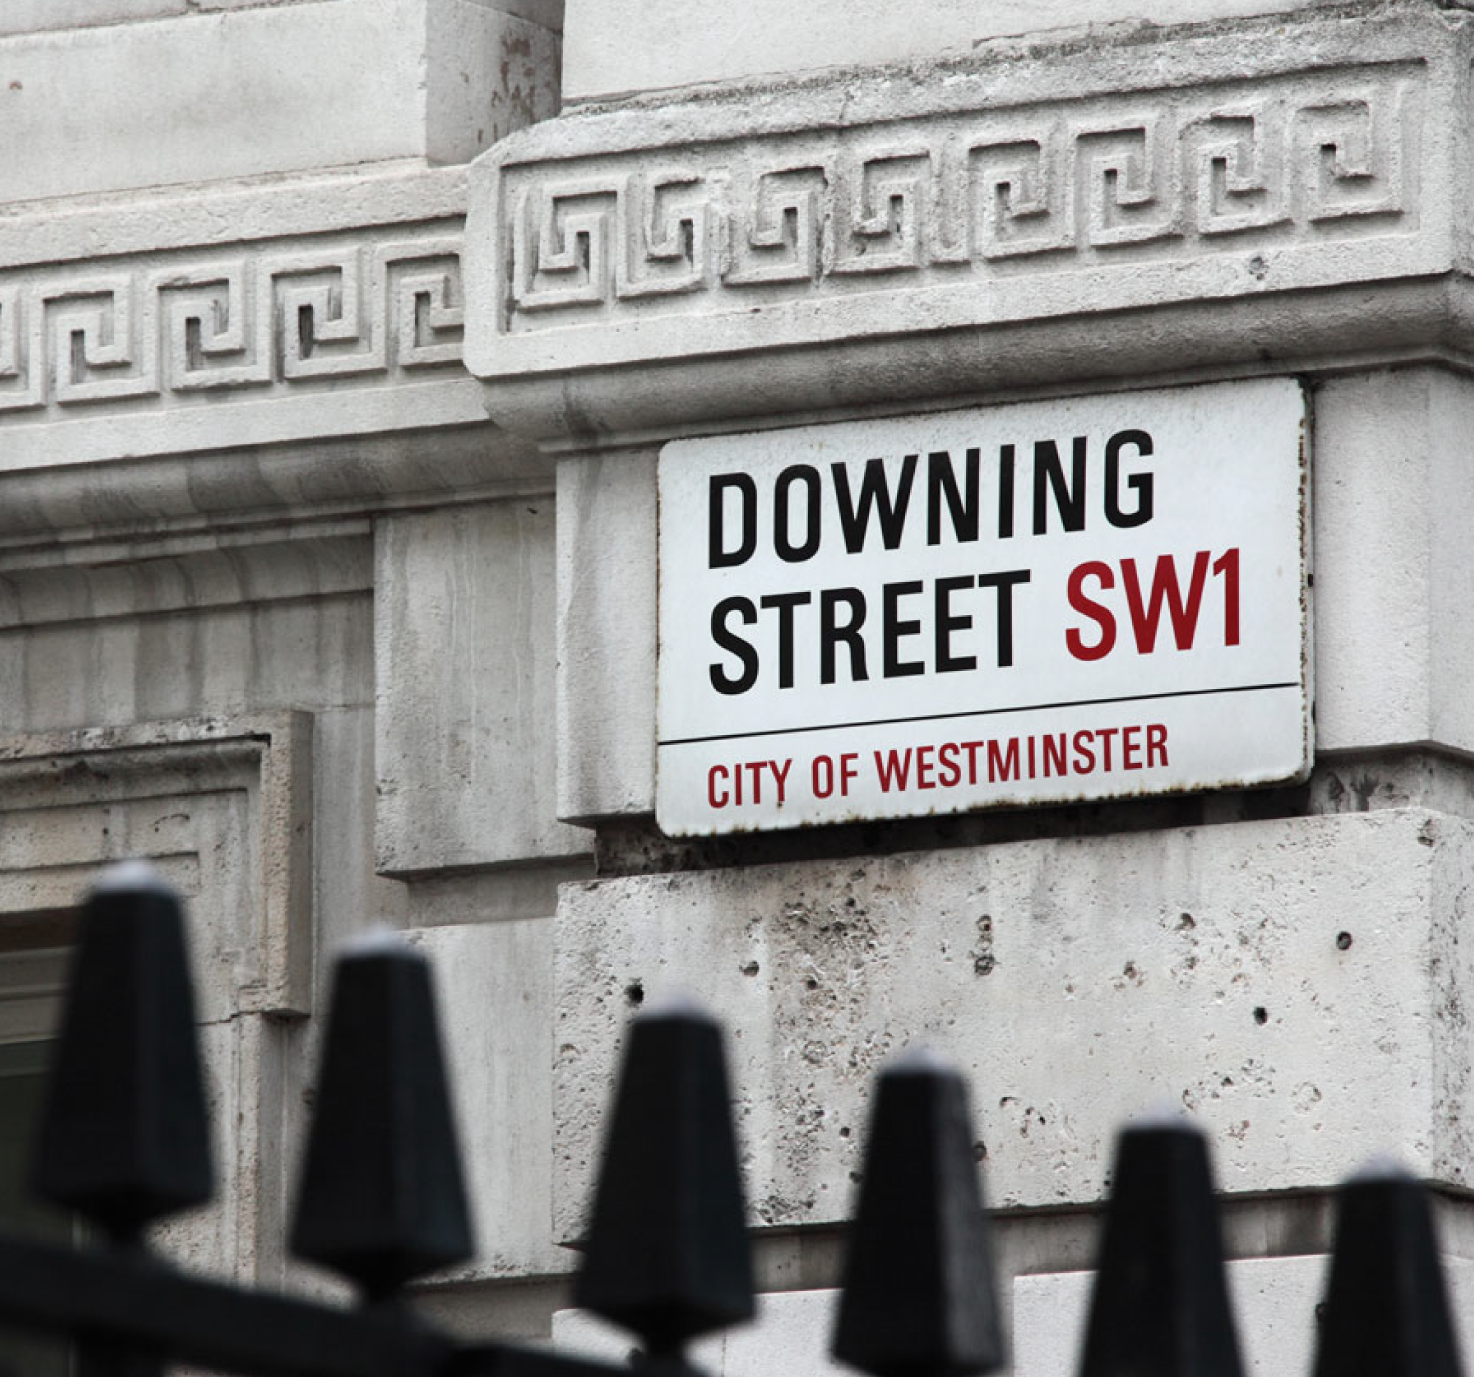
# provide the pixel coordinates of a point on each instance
(1036, 603)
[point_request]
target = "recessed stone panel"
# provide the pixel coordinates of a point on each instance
(223, 807)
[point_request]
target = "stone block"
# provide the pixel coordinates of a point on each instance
(606, 634)
(1274, 1299)
(494, 986)
(231, 322)
(256, 1121)
(1392, 503)
(491, 73)
(318, 85)
(350, 896)
(464, 645)
(1299, 985)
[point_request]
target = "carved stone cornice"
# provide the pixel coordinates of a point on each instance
(1036, 214)
(240, 349)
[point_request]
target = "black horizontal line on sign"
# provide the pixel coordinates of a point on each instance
(977, 712)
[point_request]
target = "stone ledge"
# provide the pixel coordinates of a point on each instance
(1200, 201)
(1274, 1300)
(621, 46)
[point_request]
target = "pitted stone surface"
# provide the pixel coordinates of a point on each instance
(1076, 980)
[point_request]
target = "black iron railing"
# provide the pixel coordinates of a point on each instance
(124, 1143)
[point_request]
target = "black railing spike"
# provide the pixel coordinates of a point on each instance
(920, 1296)
(123, 1138)
(668, 1255)
(1386, 1309)
(1160, 1304)
(382, 1200)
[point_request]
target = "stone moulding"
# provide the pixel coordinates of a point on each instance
(1188, 170)
(241, 319)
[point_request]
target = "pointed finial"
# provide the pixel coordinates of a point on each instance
(920, 1297)
(668, 1255)
(123, 1138)
(1160, 1303)
(1387, 1304)
(382, 1200)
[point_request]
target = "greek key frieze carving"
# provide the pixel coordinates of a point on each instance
(1000, 192)
(274, 316)
(649, 236)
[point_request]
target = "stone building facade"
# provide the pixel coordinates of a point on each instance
(339, 340)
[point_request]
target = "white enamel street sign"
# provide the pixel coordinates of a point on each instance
(1051, 601)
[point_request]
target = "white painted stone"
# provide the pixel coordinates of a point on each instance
(548, 13)
(464, 631)
(231, 213)
(73, 99)
(254, 1138)
(287, 337)
(287, 347)
(1273, 1300)
(620, 46)
(317, 85)
(1076, 981)
(37, 590)
(494, 987)
(606, 635)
